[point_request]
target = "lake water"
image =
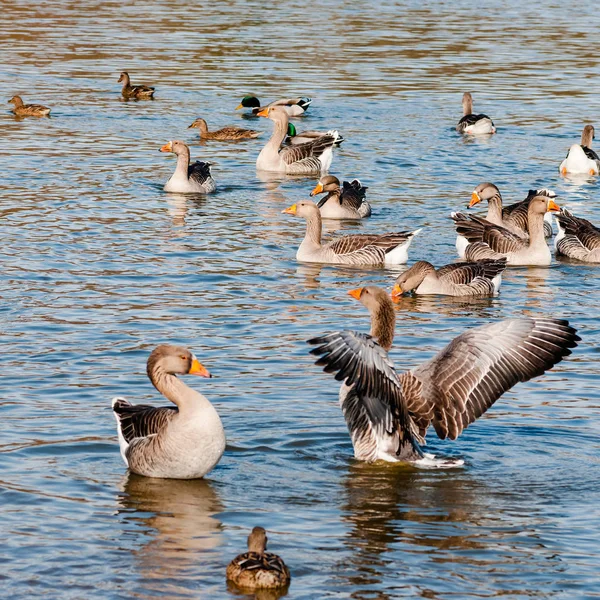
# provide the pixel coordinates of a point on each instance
(99, 265)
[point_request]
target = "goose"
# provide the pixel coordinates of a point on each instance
(577, 238)
(28, 110)
(258, 569)
(481, 278)
(134, 91)
(388, 414)
(360, 249)
(225, 133)
(347, 203)
(487, 240)
(188, 178)
(580, 157)
(473, 124)
(177, 442)
(312, 157)
(294, 138)
(294, 107)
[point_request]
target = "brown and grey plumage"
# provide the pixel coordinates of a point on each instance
(134, 91)
(577, 238)
(473, 124)
(388, 414)
(181, 442)
(188, 178)
(346, 203)
(258, 569)
(224, 134)
(28, 110)
(481, 278)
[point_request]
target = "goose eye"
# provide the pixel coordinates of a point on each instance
(183, 357)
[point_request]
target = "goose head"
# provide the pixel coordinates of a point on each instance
(587, 136)
(327, 183)
(174, 146)
(411, 278)
(542, 205)
(303, 209)
(467, 103)
(175, 360)
(275, 113)
(381, 309)
(484, 191)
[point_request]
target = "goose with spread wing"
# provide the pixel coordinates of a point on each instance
(577, 238)
(194, 178)
(184, 441)
(581, 159)
(388, 414)
(294, 107)
(346, 203)
(471, 123)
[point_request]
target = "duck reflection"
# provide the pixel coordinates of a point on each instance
(256, 594)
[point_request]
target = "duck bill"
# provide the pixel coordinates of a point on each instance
(263, 113)
(397, 292)
(239, 106)
(290, 210)
(198, 369)
(356, 293)
(475, 199)
(318, 189)
(553, 206)
(168, 147)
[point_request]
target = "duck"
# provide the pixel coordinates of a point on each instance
(312, 157)
(184, 441)
(473, 124)
(487, 240)
(577, 238)
(581, 159)
(188, 178)
(134, 91)
(347, 203)
(224, 134)
(258, 569)
(358, 249)
(28, 110)
(481, 278)
(294, 107)
(388, 414)
(294, 138)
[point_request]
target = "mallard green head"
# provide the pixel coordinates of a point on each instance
(249, 102)
(291, 130)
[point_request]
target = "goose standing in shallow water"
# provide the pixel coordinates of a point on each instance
(188, 178)
(225, 134)
(294, 107)
(28, 110)
(388, 414)
(473, 124)
(294, 138)
(347, 203)
(577, 238)
(134, 91)
(177, 442)
(581, 159)
(359, 249)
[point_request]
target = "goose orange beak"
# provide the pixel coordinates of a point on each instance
(263, 113)
(475, 199)
(198, 369)
(168, 147)
(397, 292)
(318, 189)
(553, 206)
(356, 293)
(290, 210)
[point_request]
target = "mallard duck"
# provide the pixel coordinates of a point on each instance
(225, 133)
(134, 91)
(348, 203)
(28, 110)
(473, 124)
(388, 414)
(360, 249)
(312, 157)
(577, 238)
(481, 278)
(258, 569)
(294, 138)
(292, 106)
(188, 178)
(487, 240)
(581, 158)
(177, 442)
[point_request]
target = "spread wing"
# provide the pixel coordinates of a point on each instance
(141, 420)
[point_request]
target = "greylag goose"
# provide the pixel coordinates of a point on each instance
(188, 178)
(347, 203)
(258, 569)
(292, 106)
(473, 124)
(294, 138)
(487, 240)
(28, 110)
(360, 249)
(177, 442)
(312, 157)
(134, 91)
(577, 238)
(225, 134)
(481, 278)
(581, 158)
(388, 414)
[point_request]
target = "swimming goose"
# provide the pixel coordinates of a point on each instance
(348, 203)
(359, 249)
(473, 124)
(258, 569)
(388, 414)
(28, 110)
(312, 157)
(580, 157)
(134, 91)
(294, 138)
(225, 133)
(178, 442)
(292, 106)
(481, 278)
(487, 240)
(188, 178)
(577, 238)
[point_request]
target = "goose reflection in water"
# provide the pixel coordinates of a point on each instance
(179, 206)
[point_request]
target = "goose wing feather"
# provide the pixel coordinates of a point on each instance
(142, 420)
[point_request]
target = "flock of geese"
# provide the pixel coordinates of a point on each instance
(387, 413)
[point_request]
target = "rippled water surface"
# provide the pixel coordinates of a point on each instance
(99, 265)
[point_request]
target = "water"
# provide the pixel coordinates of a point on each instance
(100, 265)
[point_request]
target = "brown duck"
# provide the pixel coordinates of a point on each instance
(225, 134)
(134, 91)
(28, 110)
